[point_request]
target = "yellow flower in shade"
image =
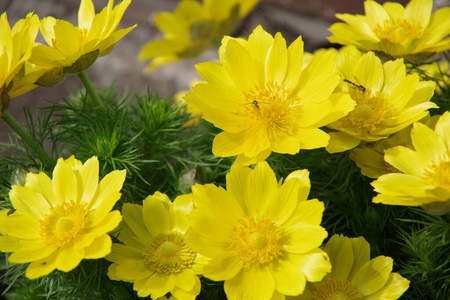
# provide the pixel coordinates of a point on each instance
(154, 256)
(354, 276)
(387, 100)
(16, 77)
(196, 114)
(58, 222)
(370, 158)
(439, 71)
(73, 49)
(410, 32)
(261, 236)
(263, 100)
(192, 28)
(425, 177)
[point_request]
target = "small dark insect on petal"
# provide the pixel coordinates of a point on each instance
(10, 212)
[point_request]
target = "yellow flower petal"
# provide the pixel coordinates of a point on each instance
(259, 43)
(314, 264)
(406, 160)
(304, 237)
(28, 201)
(426, 142)
(32, 251)
(393, 289)
(341, 141)
(41, 267)
(108, 191)
(443, 128)
(313, 138)
(157, 216)
(100, 247)
(86, 13)
(309, 212)
(262, 185)
(240, 66)
(419, 11)
(373, 275)
(228, 144)
(276, 61)
(223, 266)
(68, 257)
(65, 183)
(340, 249)
(253, 283)
(160, 284)
(289, 278)
(185, 279)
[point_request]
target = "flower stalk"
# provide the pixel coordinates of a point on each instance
(26, 138)
(96, 101)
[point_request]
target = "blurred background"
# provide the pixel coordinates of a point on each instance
(309, 18)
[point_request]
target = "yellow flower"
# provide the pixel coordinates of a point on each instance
(16, 77)
(387, 100)
(196, 114)
(425, 177)
(354, 276)
(58, 222)
(73, 49)
(411, 32)
(261, 236)
(263, 100)
(193, 28)
(154, 256)
(370, 158)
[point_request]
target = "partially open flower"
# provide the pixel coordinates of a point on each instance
(16, 75)
(411, 32)
(73, 49)
(425, 170)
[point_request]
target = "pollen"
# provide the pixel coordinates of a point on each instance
(333, 289)
(257, 241)
(270, 107)
(399, 30)
(64, 223)
(438, 173)
(370, 111)
(168, 254)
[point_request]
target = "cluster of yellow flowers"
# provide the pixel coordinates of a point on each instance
(70, 50)
(267, 97)
(260, 235)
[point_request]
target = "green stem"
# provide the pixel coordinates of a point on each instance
(27, 139)
(90, 89)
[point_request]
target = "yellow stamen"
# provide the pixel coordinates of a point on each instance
(65, 222)
(256, 240)
(438, 173)
(370, 110)
(168, 254)
(270, 107)
(399, 30)
(333, 289)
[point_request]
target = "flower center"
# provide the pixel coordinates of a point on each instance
(370, 110)
(64, 223)
(168, 254)
(399, 30)
(333, 289)
(270, 107)
(438, 173)
(256, 240)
